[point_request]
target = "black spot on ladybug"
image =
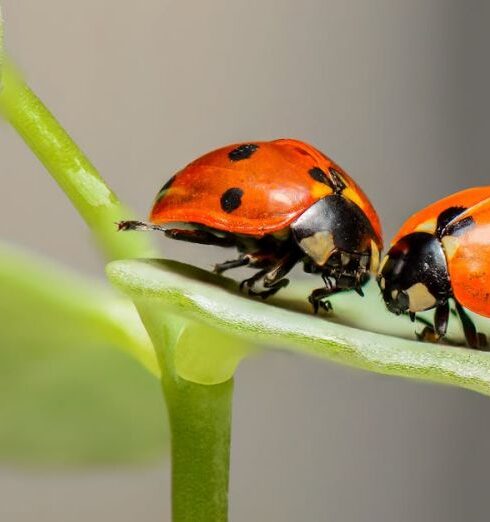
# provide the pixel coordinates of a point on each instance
(318, 175)
(338, 184)
(334, 181)
(444, 228)
(231, 199)
(242, 152)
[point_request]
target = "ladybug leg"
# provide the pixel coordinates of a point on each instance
(250, 282)
(200, 236)
(318, 298)
(434, 334)
(272, 277)
(233, 263)
(474, 339)
(441, 318)
(271, 289)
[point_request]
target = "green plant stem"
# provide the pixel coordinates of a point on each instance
(200, 419)
(200, 424)
(70, 168)
(200, 415)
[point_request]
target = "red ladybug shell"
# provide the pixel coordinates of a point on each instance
(466, 244)
(468, 254)
(254, 188)
(425, 220)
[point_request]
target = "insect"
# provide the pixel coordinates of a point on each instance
(442, 252)
(279, 203)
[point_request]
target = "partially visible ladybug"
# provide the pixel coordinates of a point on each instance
(442, 252)
(279, 203)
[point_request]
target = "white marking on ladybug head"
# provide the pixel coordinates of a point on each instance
(319, 246)
(450, 244)
(419, 298)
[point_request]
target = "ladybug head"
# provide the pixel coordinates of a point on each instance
(338, 240)
(413, 275)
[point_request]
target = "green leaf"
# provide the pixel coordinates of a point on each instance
(360, 333)
(68, 394)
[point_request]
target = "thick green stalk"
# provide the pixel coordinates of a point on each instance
(70, 168)
(200, 418)
(200, 422)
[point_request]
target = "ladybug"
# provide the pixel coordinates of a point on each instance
(279, 203)
(442, 252)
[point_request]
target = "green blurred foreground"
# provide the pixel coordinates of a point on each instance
(68, 395)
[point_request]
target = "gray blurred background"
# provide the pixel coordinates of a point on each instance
(397, 92)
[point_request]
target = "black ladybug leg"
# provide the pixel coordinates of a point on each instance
(250, 282)
(271, 289)
(233, 263)
(318, 298)
(192, 236)
(273, 277)
(434, 334)
(200, 236)
(473, 338)
(441, 318)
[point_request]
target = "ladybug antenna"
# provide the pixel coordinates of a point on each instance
(137, 225)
